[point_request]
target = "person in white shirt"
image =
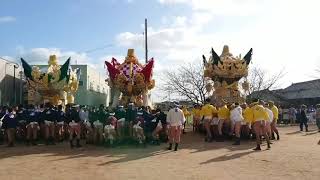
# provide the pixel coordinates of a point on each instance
(84, 114)
(87, 129)
(236, 119)
(270, 114)
(175, 120)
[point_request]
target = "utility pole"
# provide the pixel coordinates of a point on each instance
(5, 84)
(147, 98)
(21, 86)
(146, 37)
(14, 84)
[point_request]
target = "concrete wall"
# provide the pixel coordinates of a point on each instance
(94, 90)
(92, 98)
(10, 95)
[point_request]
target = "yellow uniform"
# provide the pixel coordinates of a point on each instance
(224, 113)
(275, 112)
(186, 113)
(196, 112)
(248, 115)
(208, 111)
(259, 113)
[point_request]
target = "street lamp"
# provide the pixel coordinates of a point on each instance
(15, 66)
(21, 86)
(14, 83)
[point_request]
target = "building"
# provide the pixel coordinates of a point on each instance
(166, 105)
(11, 83)
(303, 93)
(307, 93)
(93, 90)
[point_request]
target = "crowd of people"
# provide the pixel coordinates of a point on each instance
(143, 125)
(254, 121)
(96, 125)
(302, 114)
(257, 120)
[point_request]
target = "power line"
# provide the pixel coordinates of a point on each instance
(9, 61)
(99, 48)
(93, 50)
(86, 51)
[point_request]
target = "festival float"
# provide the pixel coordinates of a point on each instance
(226, 72)
(130, 81)
(56, 84)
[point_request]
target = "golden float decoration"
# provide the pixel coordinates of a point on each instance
(226, 71)
(131, 78)
(57, 85)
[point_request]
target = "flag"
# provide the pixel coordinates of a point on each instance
(78, 73)
(113, 71)
(64, 70)
(26, 69)
(147, 70)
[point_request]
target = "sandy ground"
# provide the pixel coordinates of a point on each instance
(295, 156)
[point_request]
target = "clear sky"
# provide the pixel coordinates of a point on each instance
(282, 33)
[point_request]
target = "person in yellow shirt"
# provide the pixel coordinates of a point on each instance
(208, 111)
(275, 112)
(260, 116)
(196, 113)
(224, 117)
(187, 115)
(248, 116)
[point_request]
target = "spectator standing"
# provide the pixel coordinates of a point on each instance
(10, 124)
(318, 116)
(303, 118)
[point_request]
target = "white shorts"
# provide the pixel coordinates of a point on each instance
(109, 129)
(97, 124)
(137, 127)
(48, 122)
(72, 124)
(122, 121)
(159, 125)
(110, 136)
(215, 121)
(32, 124)
(234, 122)
(87, 124)
(22, 121)
(60, 123)
(261, 122)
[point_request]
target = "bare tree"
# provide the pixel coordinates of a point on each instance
(260, 80)
(186, 81)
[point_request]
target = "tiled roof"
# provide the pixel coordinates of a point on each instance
(302, 90)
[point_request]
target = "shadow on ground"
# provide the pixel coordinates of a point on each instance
(190, 141)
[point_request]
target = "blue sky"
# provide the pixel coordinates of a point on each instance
(284, 34)
(74, 25)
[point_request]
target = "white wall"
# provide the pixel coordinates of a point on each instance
(7, 93)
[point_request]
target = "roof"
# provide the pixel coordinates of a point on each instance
(302, 90)
(314, 84)
(302, 94)
(268, 95)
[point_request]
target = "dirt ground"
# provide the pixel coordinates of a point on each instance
(295, 156)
